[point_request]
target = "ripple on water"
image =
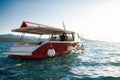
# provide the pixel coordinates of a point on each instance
(99, 61)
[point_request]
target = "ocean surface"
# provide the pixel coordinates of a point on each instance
(99, 61)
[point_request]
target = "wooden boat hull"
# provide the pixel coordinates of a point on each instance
(41, 52)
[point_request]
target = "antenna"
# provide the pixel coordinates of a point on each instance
(63, 25)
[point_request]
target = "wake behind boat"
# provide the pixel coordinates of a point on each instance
(59, 42)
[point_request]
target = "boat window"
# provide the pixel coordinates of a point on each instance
(62, 37)
(66, 37)
(70, 37)
(55, 37)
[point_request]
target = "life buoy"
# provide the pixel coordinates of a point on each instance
(78, 47)
(51, 52)
(70, 48)
(82, 47)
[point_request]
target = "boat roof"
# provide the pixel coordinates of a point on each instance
(34, 28)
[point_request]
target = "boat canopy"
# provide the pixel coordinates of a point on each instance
(34, 28)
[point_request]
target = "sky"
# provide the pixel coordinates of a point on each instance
(93, 19)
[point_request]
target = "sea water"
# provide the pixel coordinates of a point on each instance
(99, 61)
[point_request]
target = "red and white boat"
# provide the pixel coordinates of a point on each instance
(59, 42)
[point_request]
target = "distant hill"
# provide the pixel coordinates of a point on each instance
(9, 36)
(15, 38)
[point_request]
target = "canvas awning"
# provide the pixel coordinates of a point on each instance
(33, 28)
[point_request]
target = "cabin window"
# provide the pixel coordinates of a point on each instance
(62, 37)
(66, 37)
(70, 37)
(55, 37)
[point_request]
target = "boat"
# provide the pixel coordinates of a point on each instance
(60, 42)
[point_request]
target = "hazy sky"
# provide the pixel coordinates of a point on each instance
(93, 19)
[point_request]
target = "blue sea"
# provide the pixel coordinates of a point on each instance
(99, 61)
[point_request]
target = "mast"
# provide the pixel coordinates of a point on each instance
(63, 25)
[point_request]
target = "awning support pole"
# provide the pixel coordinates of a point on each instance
(22, 36)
